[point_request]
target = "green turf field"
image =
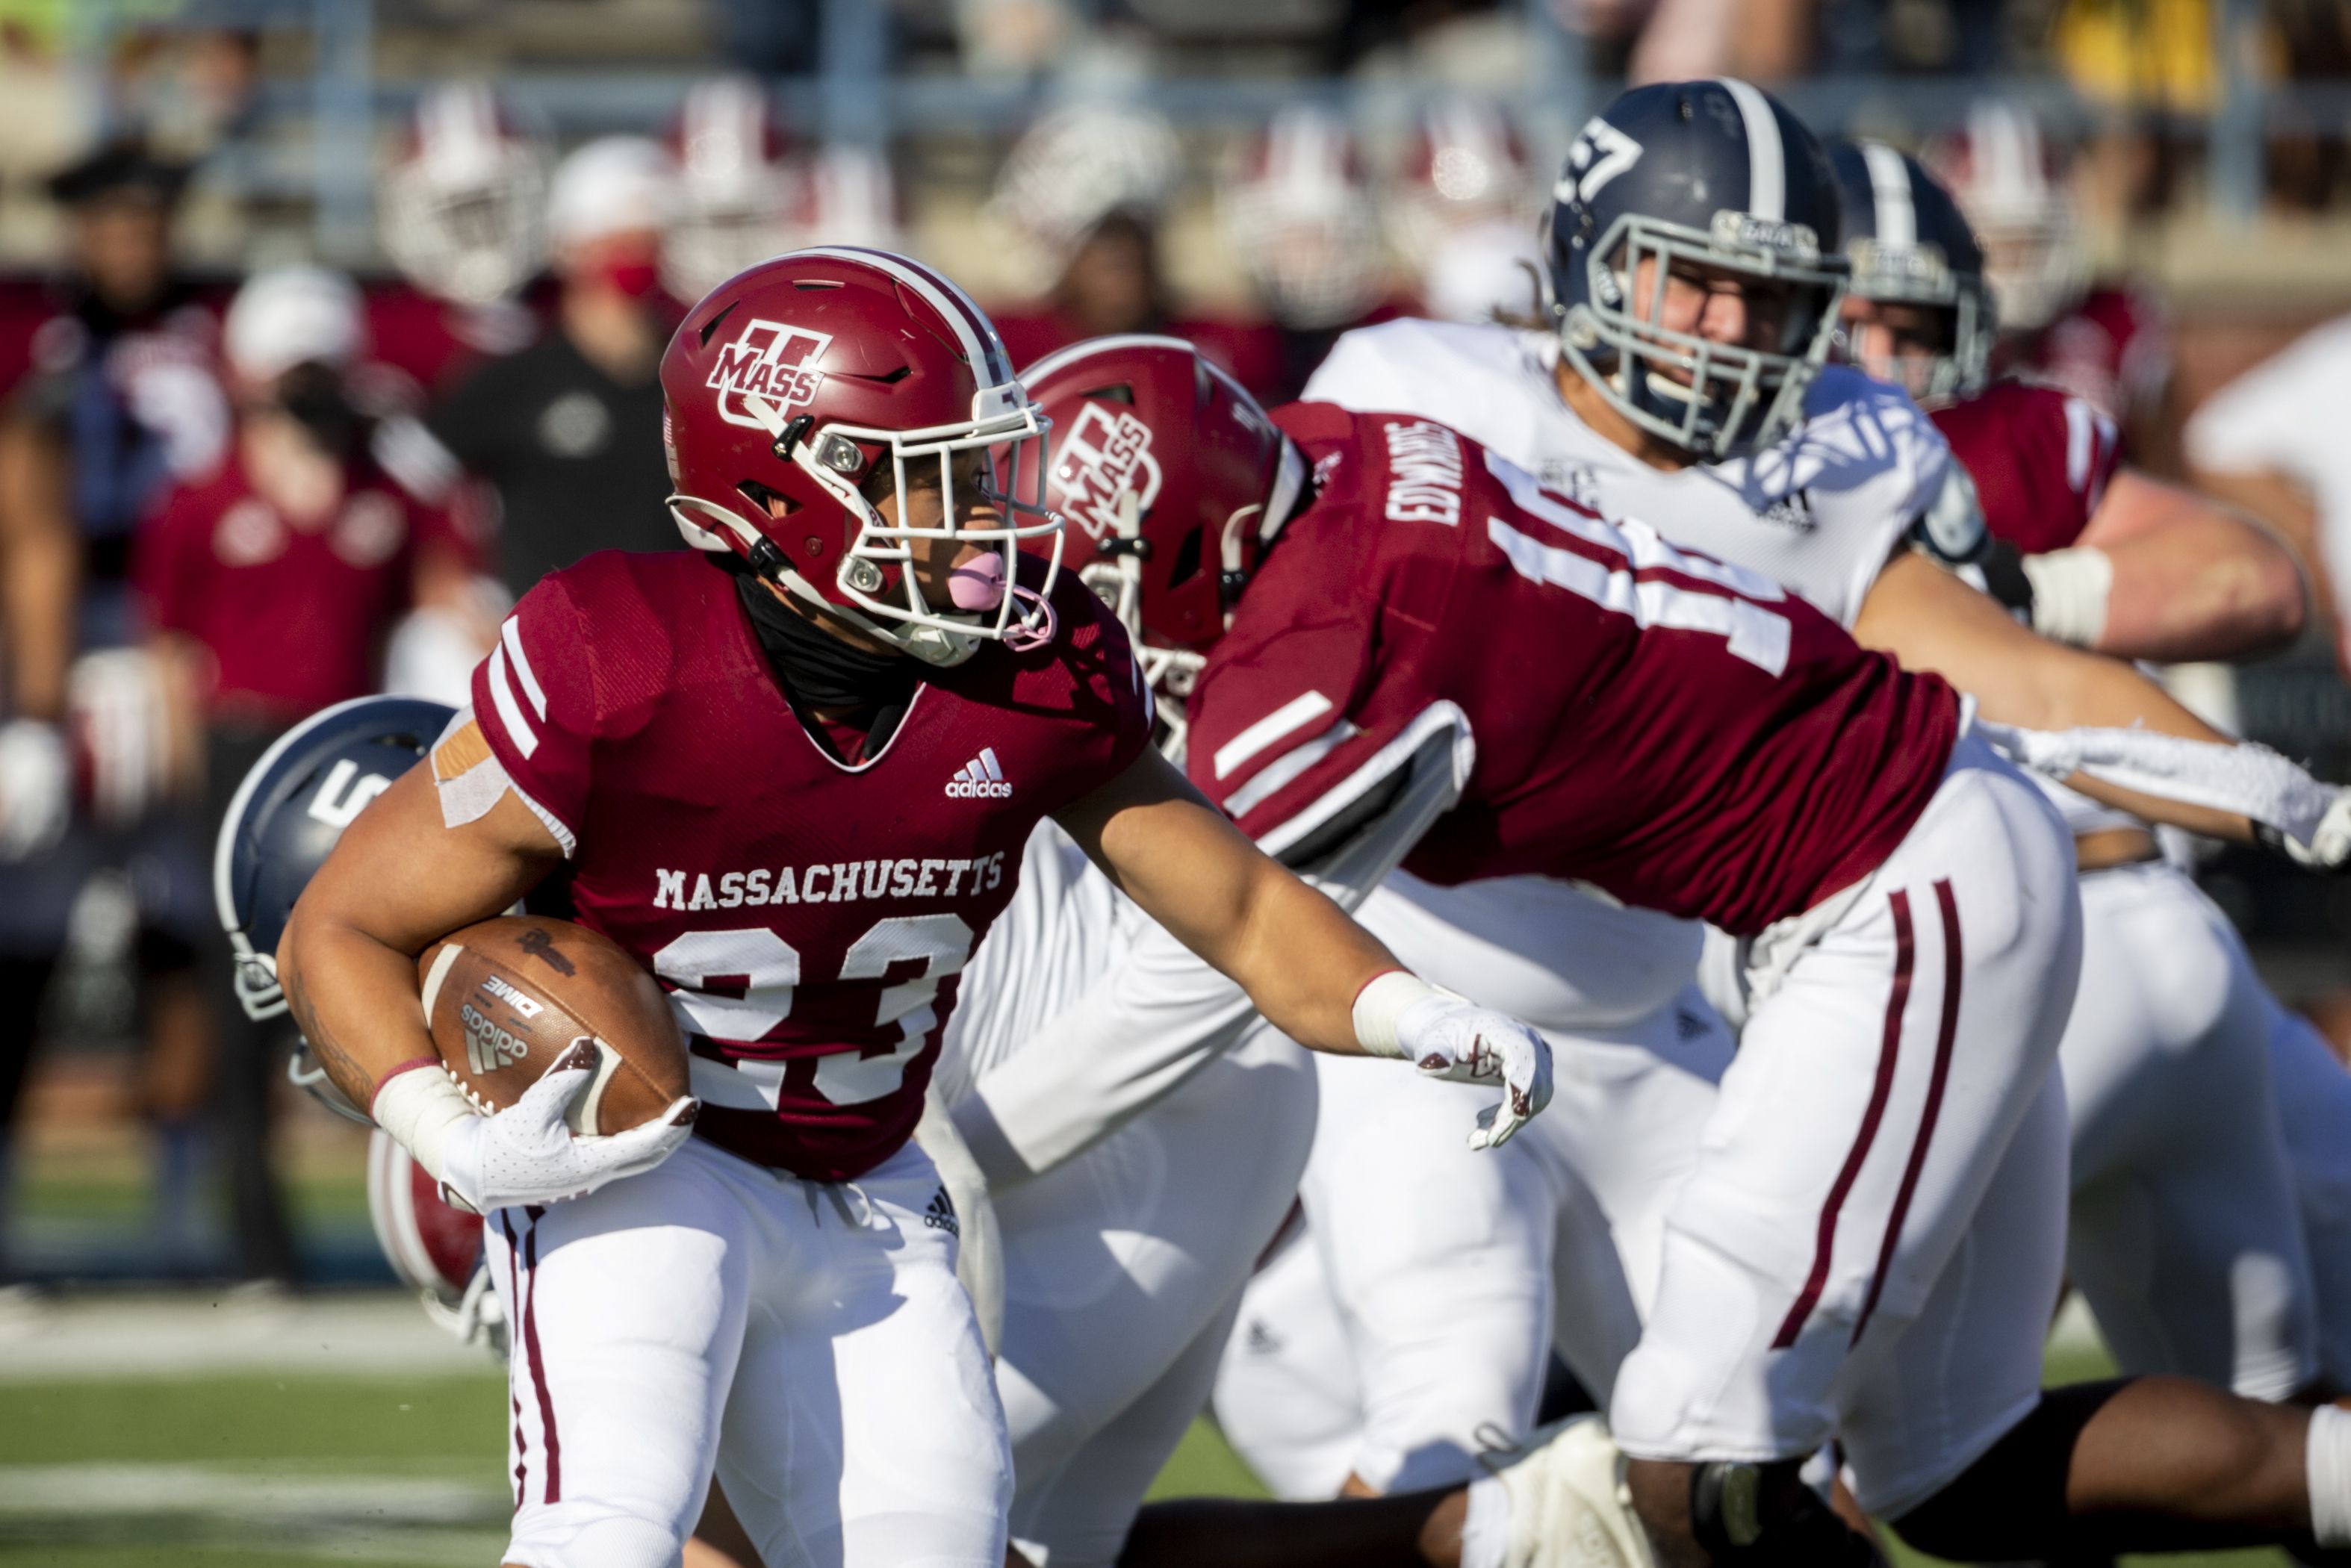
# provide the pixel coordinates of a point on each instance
(288, 1471)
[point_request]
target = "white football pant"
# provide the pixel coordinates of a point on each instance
(1122, 1268)
(806, 1339)
(2187, 1237)
(1872, 1242)
(1450, 1274)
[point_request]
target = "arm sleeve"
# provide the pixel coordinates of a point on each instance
(534, 699)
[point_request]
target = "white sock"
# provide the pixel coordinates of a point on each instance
(2328, 1461)
(1486, 1526)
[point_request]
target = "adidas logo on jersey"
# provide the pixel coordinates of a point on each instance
(980, 779)
(941, 1215)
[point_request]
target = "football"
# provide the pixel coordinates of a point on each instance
(506, 998)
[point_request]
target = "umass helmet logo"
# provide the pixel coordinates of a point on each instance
(769, 361)
(1102, 457)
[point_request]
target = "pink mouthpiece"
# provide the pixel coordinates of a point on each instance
(978, 583)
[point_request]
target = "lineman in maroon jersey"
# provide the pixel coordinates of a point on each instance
(1686, 736)
(797, 789)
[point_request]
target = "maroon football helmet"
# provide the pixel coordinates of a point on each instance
(1177, 481)
(791, 384)
(434, 1245)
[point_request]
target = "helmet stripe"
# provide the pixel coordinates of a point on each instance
(1767, 173)
(1889, 192)
(973, 329)
(1088, 348)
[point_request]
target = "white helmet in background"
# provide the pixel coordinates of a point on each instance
(292, 316)
(463, 207)
(614, 185)
(1464, 213)
(1078, 165)
(846, 196)
(1299, 214)
(2010, 184)
(736, 187)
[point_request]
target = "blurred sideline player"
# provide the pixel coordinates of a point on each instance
(567, 431)
(464, 217)
(2183, 1074)
(121, 400)
(1665, 396)
(1297, 212)
(861, 635)
(1637, 788)
(1463, 213)
(268, 585)
(1087, 190)
(2107, 342)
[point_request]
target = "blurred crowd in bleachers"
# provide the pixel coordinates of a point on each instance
(249, 467)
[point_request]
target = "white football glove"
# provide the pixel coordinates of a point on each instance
(2330, 842)
(525, 1153)
(1458, 1041)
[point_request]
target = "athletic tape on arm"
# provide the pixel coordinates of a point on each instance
(2246, 778)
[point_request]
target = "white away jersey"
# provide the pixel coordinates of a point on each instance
(1819, 512)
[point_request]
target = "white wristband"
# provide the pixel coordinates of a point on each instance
(418, 1108)
(2328, 1469)
(1380, 1006)
(2069, 593)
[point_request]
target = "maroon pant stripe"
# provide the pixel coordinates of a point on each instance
(514, 1294)
(1889, 1052)
(554, 1491)
(1944, 1034)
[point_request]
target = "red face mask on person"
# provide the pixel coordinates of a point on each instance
(635, 276)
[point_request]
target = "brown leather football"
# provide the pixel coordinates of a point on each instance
(506, 998)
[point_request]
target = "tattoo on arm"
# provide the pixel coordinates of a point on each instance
(342, 1068)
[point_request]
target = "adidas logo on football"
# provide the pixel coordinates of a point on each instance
(941, 1215)
(980, 779)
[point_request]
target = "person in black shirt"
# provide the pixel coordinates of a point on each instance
(568, 431)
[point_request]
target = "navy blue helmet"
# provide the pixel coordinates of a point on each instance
(290, 810)
(1714, 175)
(1909, 243)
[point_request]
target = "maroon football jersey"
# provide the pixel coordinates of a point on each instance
(2040, 458)
(809, 918)
(292, 615)
(436, 342)
(1679, 732)
(2114, 348)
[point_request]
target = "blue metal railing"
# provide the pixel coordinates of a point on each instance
(852, 97)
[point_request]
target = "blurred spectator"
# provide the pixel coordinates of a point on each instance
(464, 217)
(270, 583)
(120, 400)
(2272, 442)
(1464, 213)
(1087, 189)
(736, 187)
(2108, 341)
(1298, 214)
(568, 431)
